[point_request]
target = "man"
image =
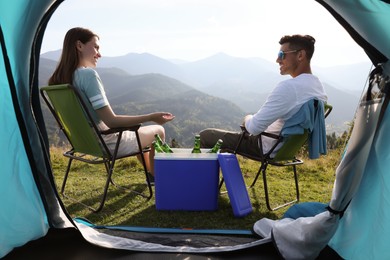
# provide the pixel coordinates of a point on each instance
(284, 101)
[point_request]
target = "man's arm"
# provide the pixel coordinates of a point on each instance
(278, 104)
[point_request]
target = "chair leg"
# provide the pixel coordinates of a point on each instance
(150, 191)
(221, 183)
(109, 169)
(296, 183)
(66, 176)
(262, 168)
(142, 154)
(264, 171)
(147, 176)
(109, 166)
(267, 195)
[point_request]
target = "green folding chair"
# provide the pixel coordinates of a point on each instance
(87, 144)
(284, 157)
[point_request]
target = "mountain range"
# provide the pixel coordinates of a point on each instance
(213, 92)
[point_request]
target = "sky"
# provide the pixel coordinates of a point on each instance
(191, 30)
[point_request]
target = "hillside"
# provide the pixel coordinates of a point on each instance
(246, 82)
(194, 110)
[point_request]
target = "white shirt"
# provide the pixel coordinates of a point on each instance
(283, 102)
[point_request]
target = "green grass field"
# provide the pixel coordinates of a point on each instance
(316, 179)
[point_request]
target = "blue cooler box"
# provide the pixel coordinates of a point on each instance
(186, 181)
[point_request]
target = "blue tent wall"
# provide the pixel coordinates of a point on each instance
(364, 229)
(21, 208)
(366, 22)
(29, 204)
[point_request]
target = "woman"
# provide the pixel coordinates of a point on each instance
(79, 57)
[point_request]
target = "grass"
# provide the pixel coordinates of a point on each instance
(316, 179)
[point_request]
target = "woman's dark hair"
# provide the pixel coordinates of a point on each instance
(300, 42)
(70, 57)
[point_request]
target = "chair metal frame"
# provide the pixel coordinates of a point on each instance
(95, 150)
(285, 156)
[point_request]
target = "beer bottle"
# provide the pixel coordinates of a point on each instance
(216, 147)
(158, 140)
(157, 147)
(196, 148)
(164, 146)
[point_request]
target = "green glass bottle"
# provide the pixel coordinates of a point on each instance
(164, 146)
(196, 148)
(157, 147)
(216, 147)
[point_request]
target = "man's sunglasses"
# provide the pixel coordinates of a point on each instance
(282, 54)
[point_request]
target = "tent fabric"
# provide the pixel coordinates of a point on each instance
(30, 207)
(27, 190)
(19, 195)
(366, 21)
(367, 217)
(68, 244)
(305, 209)
(106, 240)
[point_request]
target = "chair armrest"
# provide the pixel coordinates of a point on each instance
(244, 132)
(120, 129)
(274, 136)
(328, 109)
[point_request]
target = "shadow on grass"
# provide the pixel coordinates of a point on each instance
(222, 218)
(116, 198)
(124, 208)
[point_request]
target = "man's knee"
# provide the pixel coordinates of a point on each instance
(208, 137)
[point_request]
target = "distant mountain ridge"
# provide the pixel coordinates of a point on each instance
(222, 67)
(244, 81)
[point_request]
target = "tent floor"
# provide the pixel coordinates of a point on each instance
(69, 244)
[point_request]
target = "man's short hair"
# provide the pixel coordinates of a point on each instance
(300, 42)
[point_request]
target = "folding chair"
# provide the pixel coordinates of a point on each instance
(285, 156)
(87, 144)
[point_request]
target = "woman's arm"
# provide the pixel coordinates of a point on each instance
(112, 120)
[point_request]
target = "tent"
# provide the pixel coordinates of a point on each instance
(34, 221)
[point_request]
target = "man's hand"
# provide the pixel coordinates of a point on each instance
(246, 118)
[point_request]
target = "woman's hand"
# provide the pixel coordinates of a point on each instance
(161, 117)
